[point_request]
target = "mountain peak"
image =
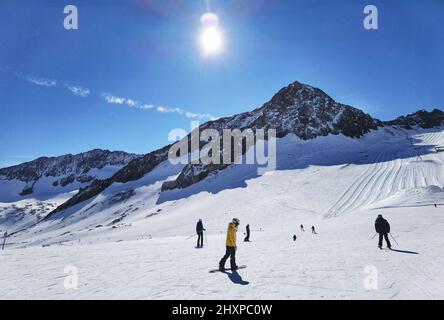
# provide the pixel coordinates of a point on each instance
(422, 119)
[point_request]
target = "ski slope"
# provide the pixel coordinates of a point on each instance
(133, 242)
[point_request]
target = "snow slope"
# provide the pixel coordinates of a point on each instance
(134, 242)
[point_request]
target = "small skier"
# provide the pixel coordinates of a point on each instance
(436, 206)
(231, 246)
(302, 228)
(383, 228)
(247, 238)
(294, 237)
(313, 230)
(199, 230)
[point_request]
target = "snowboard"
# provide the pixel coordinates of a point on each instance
(228, 269)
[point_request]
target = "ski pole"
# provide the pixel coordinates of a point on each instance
(190, 237)
(374, 235)
(206, 239)
(4, 241)
(394, 239)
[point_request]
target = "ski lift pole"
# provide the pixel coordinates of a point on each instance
(394, 239)
(4, 240)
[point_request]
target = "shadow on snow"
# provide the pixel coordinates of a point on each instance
(236, 278)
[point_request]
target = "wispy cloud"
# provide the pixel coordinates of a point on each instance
(112, 99)
(38, 81)
(108, 97)
(163, 109)
(78, 90)
(192, 115)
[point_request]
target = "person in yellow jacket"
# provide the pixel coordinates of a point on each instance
(231, 246)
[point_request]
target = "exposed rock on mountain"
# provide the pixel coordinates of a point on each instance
(422, 119)
(299, 109)
(134, 170)
(65, 170)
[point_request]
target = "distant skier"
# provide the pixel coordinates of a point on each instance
(231, 246)
(247, 238)
(383, 228)
(302, 228)
(436, 206)
(313, 230)
(199, 230)
(294, 238)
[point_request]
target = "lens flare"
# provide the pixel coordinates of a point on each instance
(209, 20)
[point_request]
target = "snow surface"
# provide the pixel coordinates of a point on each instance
(134, 242)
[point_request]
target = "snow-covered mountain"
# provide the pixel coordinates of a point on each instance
(66, 170)
(30, 190)
(300, 109)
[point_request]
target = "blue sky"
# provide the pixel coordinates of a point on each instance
(56, 85)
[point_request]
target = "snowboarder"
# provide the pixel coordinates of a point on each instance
(231, 246)
(313, 230)
(199, 230)
(302, 228)
(294, 238)
(383, 228)
(247, 238)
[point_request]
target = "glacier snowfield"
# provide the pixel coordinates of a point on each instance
(133, 242)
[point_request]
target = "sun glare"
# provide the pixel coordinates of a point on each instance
(211, 37)
(211, 41)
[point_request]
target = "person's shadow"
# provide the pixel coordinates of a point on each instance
(235, 277)
(404, 251)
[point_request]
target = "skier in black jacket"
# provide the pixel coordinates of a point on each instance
(247, 238)
(383, 228)
(199, 230)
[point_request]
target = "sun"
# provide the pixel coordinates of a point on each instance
(211, 40)
(211, 36)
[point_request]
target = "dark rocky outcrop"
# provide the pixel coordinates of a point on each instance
(421, 119)
(67, 169)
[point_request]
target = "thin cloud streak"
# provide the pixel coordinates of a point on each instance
(38, 81)
(163, 109)
(78, 90)
(113, 99)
